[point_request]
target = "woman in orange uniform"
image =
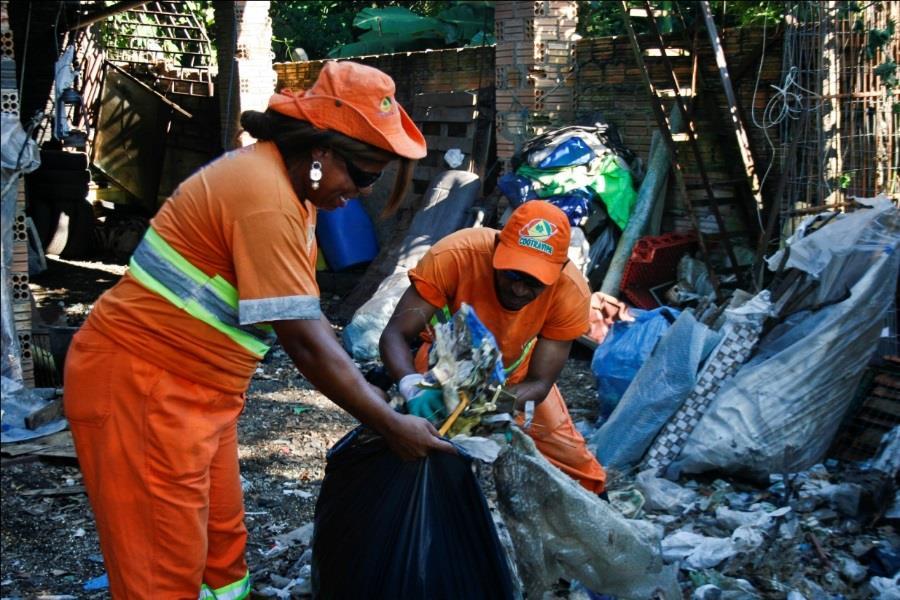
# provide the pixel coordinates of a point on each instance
(155, 379)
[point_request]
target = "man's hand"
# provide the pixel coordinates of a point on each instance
(422, 401)
(428, 404)
(411, 437)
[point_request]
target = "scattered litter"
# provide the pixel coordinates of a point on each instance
(301, 535)
(454, 157)
(696, 550)
(301, 493)
(484, 449)
(97, 583)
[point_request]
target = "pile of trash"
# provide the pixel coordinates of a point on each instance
(746, 387)
(588, 173)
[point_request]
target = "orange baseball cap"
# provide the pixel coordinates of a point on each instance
(535, 241)
(359, 102)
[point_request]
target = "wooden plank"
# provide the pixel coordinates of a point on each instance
(62, 491)
(57, 444)
(451, 99)
(445, 114)
(444, 143)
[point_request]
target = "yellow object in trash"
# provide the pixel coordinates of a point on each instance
(321, 265)
(463, 403)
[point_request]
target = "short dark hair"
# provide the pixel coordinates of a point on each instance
(296, 138)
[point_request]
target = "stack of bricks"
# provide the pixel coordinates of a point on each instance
(254, 54)
(534, 66)
(15, 273)
(246, 79)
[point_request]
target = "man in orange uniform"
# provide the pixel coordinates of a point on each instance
(534, 301)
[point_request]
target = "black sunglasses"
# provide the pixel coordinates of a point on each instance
(526, 279)
(361, 179)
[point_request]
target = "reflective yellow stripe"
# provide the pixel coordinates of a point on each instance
(196, 310)
(238, 590)
(521, 358)
(220, 286)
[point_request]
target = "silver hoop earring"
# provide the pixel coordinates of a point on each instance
(315, 174)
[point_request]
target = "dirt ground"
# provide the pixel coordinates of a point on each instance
(49, 542)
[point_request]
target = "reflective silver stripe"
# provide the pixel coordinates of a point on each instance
(187, 289)
(279, 309)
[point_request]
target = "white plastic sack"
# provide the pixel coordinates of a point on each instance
(662, 494)
(18, 155)
(697, 551)
(781, 410)
(361, 335)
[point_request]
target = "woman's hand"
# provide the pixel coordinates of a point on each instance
(313, 347)
(412, 437)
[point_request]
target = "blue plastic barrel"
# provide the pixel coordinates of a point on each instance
(346, 236)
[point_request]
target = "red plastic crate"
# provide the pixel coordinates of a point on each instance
(654, 261)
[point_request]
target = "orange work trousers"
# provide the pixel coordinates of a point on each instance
(554, 435)
(159, 459)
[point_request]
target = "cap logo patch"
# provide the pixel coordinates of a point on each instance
(535, 235)
(386, 105)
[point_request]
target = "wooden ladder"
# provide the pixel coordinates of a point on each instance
(672, 88)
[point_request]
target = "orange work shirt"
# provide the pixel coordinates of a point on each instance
(239, 218)
(459, 269)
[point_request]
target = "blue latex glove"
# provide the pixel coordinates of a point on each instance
(428, 404)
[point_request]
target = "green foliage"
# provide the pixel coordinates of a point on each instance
(599, 19)
(397, 29)
(878, 38)
(314, 25)
(887, 71)
(320, 26)
(604, 18)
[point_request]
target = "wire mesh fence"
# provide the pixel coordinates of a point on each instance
(837, 109)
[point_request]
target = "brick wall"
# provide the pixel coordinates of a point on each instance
(451, 70)
(607, 80)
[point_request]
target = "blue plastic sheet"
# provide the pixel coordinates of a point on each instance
(568, 153)
(518, 189)
(657, 391)
(97, 583)
(627, 345)
(576, 204)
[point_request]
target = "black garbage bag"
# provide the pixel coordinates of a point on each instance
(385, 528)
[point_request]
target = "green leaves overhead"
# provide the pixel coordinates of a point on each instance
(397, 29)
(395, 20)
